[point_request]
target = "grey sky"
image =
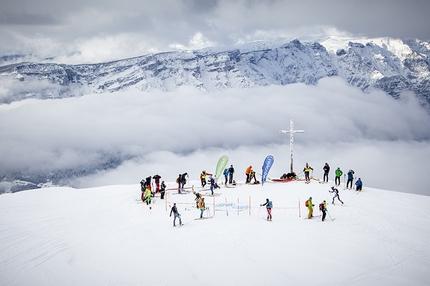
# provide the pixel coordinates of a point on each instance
(94, 30)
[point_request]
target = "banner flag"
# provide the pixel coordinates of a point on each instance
(268, 162)
(222, 162)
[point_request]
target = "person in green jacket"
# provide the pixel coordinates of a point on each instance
(338, 174)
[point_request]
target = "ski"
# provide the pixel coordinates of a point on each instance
(202, 218)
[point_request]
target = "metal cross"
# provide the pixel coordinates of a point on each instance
(291, 131)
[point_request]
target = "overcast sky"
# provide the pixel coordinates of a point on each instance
(84, 31)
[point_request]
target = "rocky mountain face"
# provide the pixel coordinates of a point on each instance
(387, 64)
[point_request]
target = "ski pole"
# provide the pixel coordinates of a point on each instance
(329, 215)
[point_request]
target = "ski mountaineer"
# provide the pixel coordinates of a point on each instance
(269, 206)
(359, 185)
(326, 170)
(307, 169)
(230, 174)
(176, 214)
(197, 199)
(323, 208)
(202, 206)
(225, 176)
(157, 182)
(310, 207)
(248, 174)
(148, 195)
(162, 190)
(184, 180)
(350, 175)
(336, 194)
(212, 181)
(203, 178)
(338, 173)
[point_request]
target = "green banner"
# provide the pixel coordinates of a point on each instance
(222, 162)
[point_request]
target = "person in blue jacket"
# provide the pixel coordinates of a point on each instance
(359, 185)
(212, 182)
(350, 175)
(226, 176)
(269, 206)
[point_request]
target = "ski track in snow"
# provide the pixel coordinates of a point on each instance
(101, 236)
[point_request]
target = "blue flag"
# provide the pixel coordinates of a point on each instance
(268, 162)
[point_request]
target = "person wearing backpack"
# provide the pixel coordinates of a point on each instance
(202, 206)
(336, 194)
(359, 185)
(323, 208)
(350, 175)
(176, 214)
(269, 206)
(310, 207)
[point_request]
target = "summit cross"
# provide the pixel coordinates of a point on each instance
(291, 131)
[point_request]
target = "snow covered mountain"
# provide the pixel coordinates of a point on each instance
(391, 65)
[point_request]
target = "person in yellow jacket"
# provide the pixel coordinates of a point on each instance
(307, 170)
(202, 206)
(310, 207)
(148, 195)
(203, 179)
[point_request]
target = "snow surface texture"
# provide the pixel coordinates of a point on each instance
(105, 236)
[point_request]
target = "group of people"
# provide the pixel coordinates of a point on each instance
(146, 188)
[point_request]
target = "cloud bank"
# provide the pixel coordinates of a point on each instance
(385, 141)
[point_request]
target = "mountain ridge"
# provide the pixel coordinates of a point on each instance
(391, 65)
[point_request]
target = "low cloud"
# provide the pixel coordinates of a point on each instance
(382, 139)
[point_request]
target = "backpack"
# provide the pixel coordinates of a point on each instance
(321, 206)
(269, 205)
(307, 203)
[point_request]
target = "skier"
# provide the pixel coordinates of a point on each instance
(323, 208)
(248, 174)
(269, 206)
(162, 190)
(157, 182)
(148, 195)
(350, 175)
(359, 185)
(202, 206)
(252, 176)
(197, 199)
(226, 176)
(326, 170)
(307, 169)
(203, 178)
(336, 194)
(176, 214)
(212, 181)
(310, 207)
(230, 174)
(338, 173)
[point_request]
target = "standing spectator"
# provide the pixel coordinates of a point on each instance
(230, 174)
(176, 214)
(184, 180)
(179, 181)
(336, 194)
(226, 176)
(162, 190)
(338, 173)
(350, 175)
(212, 180)
(157, 182)
(248, 174)
(269, 206)
(326, 170)
(359, 185)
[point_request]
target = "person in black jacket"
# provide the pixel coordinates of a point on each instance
(176, 214)
(162, 190)
(230, 174)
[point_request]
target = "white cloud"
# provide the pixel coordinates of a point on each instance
(187, 131)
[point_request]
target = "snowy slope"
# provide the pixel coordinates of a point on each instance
(103, 236)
